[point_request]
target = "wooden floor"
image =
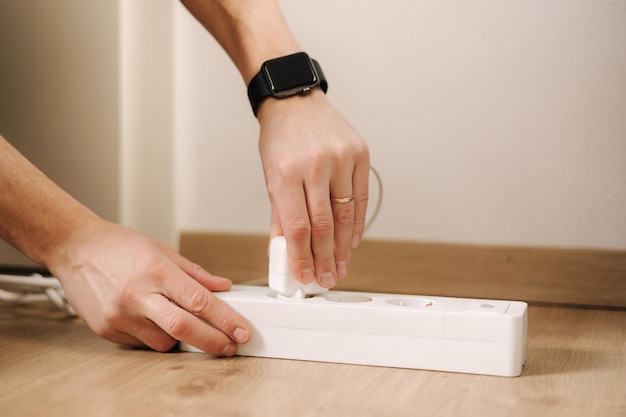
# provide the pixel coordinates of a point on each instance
(54, 366)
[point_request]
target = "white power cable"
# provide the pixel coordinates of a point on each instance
(379, 202)
(32, 289)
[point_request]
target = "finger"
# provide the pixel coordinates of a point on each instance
(140, 333)
(343, 215)
(276, 229)
(123, 338)
(291, 208)
(145, 333)
(183, 326)
(360, 185)
(344, 221)
(197, 300)
(201, 275)
(322, 232)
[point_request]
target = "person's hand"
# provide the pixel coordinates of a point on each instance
(135, 291)
(314, 162)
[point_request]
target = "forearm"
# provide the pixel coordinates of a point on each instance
(36, 216)
(250, 31)
(310, 153)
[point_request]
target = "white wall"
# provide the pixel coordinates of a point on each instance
(218, 174)
(491, 121)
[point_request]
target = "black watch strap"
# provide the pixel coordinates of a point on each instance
(259, 89)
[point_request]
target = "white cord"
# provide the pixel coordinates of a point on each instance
(32, 289)
(379, 202)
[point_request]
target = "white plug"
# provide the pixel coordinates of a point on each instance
(280, 278)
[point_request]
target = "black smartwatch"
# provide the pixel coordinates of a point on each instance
(284, 77)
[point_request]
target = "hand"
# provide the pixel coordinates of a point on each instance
(311, 155)
(135, 291)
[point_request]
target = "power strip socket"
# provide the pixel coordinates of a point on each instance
(403, 331)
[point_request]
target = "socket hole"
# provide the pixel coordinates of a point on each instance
(348, 298)
(411, 302)
(487, 305)
(275, 294)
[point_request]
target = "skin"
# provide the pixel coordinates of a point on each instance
(309, 151)
(128, 288)
(133, 290)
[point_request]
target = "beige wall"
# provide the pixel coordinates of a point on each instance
(146, 111)
(59, 95)
(489, 121)
(86, 95)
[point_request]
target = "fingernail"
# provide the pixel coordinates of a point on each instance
(328, 280)
(308, 276)
(342, 269)
(356, 240)
(229, 350)
(241, 335)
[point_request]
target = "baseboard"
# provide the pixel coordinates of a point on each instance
(587, 277)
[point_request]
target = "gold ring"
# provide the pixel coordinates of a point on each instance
(342, 200)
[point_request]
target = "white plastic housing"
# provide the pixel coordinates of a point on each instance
(280, 278)
(405, 331)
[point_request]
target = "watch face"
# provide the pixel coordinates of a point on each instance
(290, 74)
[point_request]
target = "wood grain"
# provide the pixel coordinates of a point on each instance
(54, 366)
(541, 275)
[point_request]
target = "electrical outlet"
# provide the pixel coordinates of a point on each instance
(403, 331)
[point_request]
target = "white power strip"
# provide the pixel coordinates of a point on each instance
(291, 320)
(404, 331)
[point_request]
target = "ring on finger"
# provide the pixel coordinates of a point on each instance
(342, 200)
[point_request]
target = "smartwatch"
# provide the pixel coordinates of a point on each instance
(284, 77)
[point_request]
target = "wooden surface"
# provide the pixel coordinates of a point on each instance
(54, 366)
(542, 275)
